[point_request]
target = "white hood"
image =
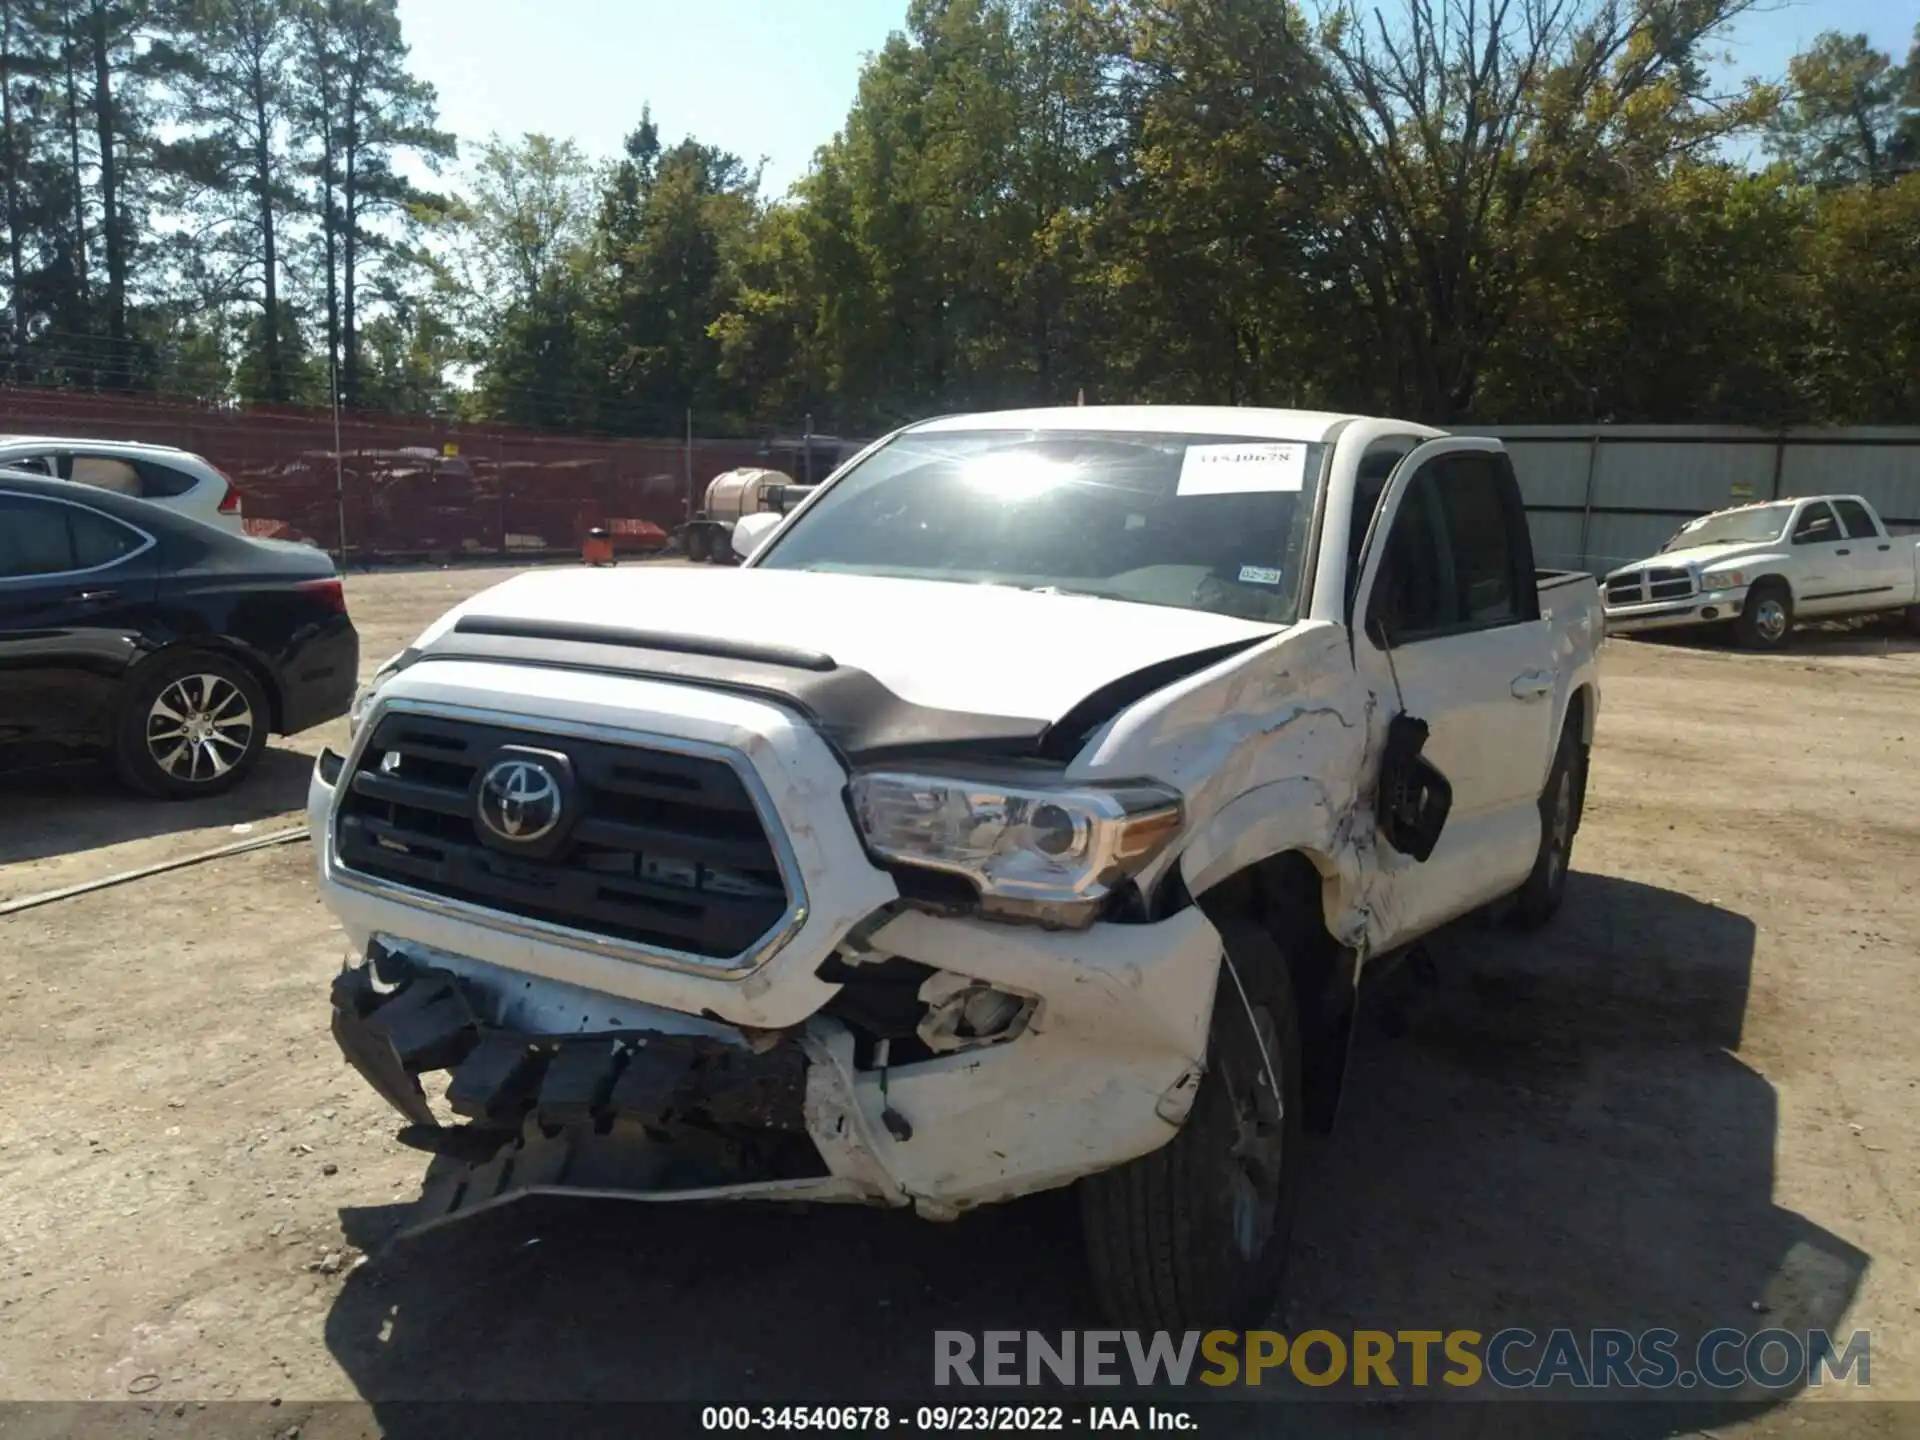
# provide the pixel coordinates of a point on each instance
(1702, 556)
(986, 649)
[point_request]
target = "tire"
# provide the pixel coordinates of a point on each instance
(1561, 802)
(699, 545)
(1765, 622)
(204, 692)
(1913, 618)
(1194, 1235)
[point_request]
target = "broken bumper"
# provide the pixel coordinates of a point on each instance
(553, 1089)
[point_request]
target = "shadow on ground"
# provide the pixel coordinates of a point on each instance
(1879, 635)
(1551, 1131)
(69, 809)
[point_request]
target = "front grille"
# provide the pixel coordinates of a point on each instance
(1669, 584)
(666, 850)
(1637, 587)
(1626, 589)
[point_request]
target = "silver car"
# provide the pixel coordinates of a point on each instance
(177, 479)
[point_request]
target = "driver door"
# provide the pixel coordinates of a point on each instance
(1447, 628)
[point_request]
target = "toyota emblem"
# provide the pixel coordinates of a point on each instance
(519, 800)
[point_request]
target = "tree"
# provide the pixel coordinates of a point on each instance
(234, 99)
(515, 272)
(364, 111)
(665, 255)
(1851, 116)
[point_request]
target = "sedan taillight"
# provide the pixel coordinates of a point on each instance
(330, 593)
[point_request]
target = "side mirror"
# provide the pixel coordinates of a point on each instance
(1414, 797)
(750, 530)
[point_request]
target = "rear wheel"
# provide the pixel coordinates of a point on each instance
(191, 726)
(1766, 620)
(1194, 1235)
(1538, 901)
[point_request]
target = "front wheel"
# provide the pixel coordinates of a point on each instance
(1766, 620)
(191, 727)
(698, 545)
(1194, 1235)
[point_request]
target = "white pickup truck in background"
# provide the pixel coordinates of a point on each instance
(1759, 568)
(1020, 814)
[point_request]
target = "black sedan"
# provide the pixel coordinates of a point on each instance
(168, 646)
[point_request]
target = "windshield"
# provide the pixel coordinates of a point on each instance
(1763, 522)
(1200, 522)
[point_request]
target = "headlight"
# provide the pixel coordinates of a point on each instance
(1722, 580)
(1035, 853)
(363, 697)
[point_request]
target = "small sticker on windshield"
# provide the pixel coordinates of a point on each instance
(1242, 469)
(1258, 575)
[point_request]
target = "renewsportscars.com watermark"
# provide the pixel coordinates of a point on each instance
(1510, 1359)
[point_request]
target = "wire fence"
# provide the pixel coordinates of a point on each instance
(398, 487)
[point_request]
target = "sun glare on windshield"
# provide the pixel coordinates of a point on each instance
(1015, 475)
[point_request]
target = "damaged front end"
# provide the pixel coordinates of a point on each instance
(916, 1084)
(631, 1110)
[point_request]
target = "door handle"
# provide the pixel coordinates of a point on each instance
(1843, 552)
(1886, 547)
(96, 597)
(1531, 685)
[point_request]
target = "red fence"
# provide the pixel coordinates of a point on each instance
(405, 485)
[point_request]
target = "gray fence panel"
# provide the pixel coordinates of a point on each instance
(1681, 476)
(1887, 475)
(1556, 539)
(1552, 472)
(1619, 539)
(1648, 479)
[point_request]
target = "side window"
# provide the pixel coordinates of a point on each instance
(32, 464)
(106, 472)
(1450, 563)
(1816, 524)
(160, 482)
(1478, 536)
(43, 537)
(1858, 521)
(98, 539)
(1413, 589)
(34, 538)
(1376, 467)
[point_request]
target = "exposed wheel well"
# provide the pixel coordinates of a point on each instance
(1283, 894)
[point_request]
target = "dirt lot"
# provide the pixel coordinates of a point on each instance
(1692, 1102)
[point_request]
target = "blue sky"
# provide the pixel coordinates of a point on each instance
(774, 78)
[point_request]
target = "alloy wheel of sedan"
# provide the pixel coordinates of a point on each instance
(199, 728)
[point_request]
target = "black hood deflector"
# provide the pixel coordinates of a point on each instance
(864, 721)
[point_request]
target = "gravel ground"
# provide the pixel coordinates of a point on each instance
(1691, 1102)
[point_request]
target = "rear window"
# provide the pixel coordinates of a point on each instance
(107, 472)
(45, 537)
(1854, 516)
(160, 482)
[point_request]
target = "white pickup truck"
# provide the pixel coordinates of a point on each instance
(1759, 568)
(1021, 813)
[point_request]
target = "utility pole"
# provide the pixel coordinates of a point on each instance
(339, 466)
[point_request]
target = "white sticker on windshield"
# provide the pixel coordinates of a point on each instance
(1258, 575)
(1242, 469)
